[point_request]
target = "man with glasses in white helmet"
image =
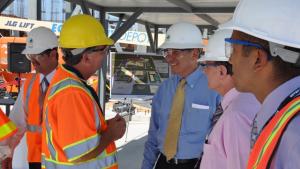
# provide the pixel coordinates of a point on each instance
(41, 50)
(183, 106)
(264, 51)
(227, 145)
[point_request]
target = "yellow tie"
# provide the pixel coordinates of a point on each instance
(174, 123)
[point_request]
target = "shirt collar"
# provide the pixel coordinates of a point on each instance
(48, 76)
(228, 97)
(75, 71)
(192, 78)
(274, 99)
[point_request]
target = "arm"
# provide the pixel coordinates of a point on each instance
(17, 116)
(80, 138)
(151, 146)
(115, 130)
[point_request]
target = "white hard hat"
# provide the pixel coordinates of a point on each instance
(40, 39)
(183, 35)
(276, 21)
(215, 50)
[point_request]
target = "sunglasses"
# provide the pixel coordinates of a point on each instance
(205, 65)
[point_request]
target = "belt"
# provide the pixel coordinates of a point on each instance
(178, 161)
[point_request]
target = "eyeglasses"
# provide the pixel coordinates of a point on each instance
(205, 65)
(38, 56)
(174, 52)
(102, 50)
(229, 47)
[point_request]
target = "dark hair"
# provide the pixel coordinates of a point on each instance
(48, 51)
(71, 59)
(227, 65)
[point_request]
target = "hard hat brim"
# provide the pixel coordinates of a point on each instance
(257, 33)
(212, 58)
(107, 41)
(33, 51)
(167, 45)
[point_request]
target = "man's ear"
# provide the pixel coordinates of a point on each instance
(261, 59)
(53, 53)
(86, 58)
(223, 71)
(196, 53)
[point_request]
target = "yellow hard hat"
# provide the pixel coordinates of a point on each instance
(83, 31)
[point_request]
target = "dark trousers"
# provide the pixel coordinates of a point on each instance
(34, 165)
(163, 164)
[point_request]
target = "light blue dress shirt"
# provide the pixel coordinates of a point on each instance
(200, 104)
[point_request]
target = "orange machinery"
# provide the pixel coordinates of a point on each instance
(9, 79)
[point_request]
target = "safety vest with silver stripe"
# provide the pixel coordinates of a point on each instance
(33, 112)
(106, 159)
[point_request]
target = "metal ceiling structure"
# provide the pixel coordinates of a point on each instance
(4, 4)
(207, 14)
(159, 12)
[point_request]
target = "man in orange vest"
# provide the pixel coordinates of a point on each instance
(264, 51)
(75, 133)
(41, 50)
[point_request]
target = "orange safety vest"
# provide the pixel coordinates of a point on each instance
(31, 107)
(72, 125)
(269, 138)
(7, 127)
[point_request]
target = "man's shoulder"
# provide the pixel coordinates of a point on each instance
(32, 76)
(169, 81)
(246, 100)
(244, 105)
(292, 132)
(289, 147)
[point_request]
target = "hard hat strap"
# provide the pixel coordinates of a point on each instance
(284, 54)
(77, 51)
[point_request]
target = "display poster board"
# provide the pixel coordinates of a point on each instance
(135, 75)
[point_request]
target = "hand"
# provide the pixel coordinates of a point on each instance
(116, 127)
(5, 152)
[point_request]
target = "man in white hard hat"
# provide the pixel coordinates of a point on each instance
(228, 141)
(41, 50)
(264, 51)
(183, 106)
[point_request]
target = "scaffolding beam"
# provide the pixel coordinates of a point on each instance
(4, 4)
(150, 38)
(132, 19)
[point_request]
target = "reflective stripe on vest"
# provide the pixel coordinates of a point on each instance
(108, 161)
(77, 149)
(265, 145)
(7, 129)
(34, 128)
(49, 139)
(28, 92)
